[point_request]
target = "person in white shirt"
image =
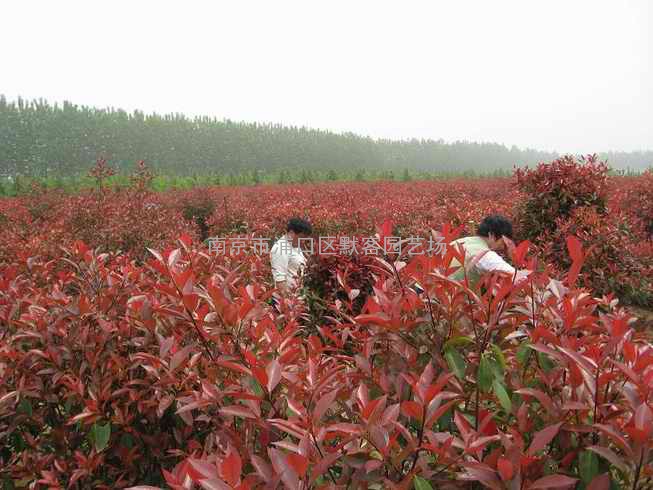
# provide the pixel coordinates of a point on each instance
(490, 238)
(286, 257)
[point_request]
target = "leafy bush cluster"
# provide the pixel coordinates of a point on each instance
(554, 190)
(177, 373)
(639, 199)
(123, 367)
(570, 197)
(337, 278)
(198, 208)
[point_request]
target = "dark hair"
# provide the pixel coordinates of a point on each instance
(497, 225)
(299, 225)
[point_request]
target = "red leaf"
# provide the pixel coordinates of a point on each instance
(238, 411)
(616, 438)
(609, 455)
(519, 253)
(600, 482)
(186, 240)
(286, 472)
(230, 467)
(575, 248)
(412, 409)
(505, 469)
(299, 463)
(214, 484)
(542, 397)
(543, 437)
(233, 366)
(200, 468)
(173, 258)
(576, 253)
(157, 255)
(273, 372)
(643, 417)
(553, 481)
(463, 426)
(346, 428)
(179, 357)
(323, 405)
(385, 230)
(630, 351)
(369, 409)
(260, 375)
(262, 468)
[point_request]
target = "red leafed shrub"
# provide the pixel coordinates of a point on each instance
(142, 177)
(609, 265)
(101, 172)
(639, 201)
(198, 208)
(332, 279)
(128, 220)
(553, 190)
(569, 197)
(169, 368)
(176, 373)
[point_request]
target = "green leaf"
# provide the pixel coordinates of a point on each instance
(523, 351)
(497, 372)
(498, 355)
(256, 386)
(445, 422)
(588, 466)
(127, 441)
(546, 363)
(456, 363)
(25, 407)
(457, 341)
(101, 435)
(421, 483)
(502, 395)
(485, 374)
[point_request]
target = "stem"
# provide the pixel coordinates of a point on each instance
(596, 401)
(396, 272)
(527, 363)
(478, 392)
(435, 328)
(639, 469)
(419, 442)
(533, 304)
(190, 314)
(333, 478)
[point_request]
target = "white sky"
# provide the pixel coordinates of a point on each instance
(566, 75)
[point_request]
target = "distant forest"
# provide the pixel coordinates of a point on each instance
(44, 140)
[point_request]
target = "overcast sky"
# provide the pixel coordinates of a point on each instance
(566, 75)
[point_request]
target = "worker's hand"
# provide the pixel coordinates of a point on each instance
(522, 275)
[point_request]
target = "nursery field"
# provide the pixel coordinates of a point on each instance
(136, 353)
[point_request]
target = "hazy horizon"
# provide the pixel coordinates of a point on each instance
(560, 76)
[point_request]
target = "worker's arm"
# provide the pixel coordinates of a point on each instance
(493, 262)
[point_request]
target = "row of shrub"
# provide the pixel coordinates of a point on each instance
(178, 373)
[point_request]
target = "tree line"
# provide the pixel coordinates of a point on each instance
(47, 140)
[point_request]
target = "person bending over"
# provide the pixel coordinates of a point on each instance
(491, 237)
